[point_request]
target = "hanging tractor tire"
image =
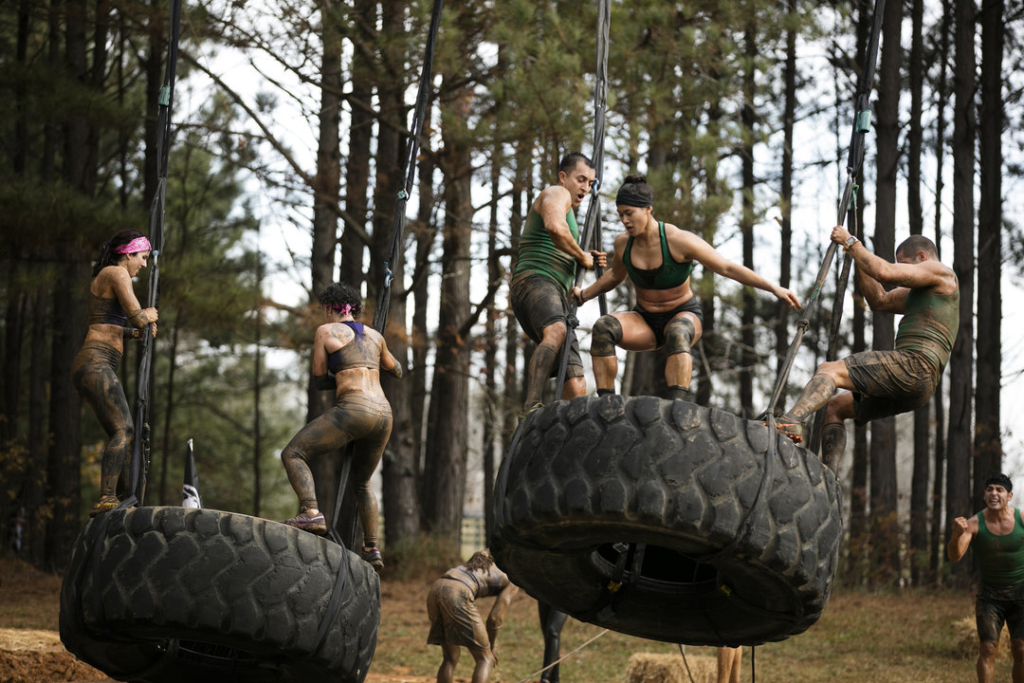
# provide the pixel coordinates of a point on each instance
(646, 516)
(168, 594)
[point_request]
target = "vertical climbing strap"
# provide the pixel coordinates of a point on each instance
(380, 315)
(846, 205)
(590, 225)
(139, 463)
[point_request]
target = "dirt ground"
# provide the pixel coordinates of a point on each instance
(30, 647)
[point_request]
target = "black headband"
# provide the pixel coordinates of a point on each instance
(627, 198)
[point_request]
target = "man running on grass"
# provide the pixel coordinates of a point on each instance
(884, 383)
(997, 533)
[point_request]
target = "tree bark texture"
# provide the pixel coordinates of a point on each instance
(445, 472)
(960, 368)
(988, 450)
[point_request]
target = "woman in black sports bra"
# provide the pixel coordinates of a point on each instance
(658, 258)
(353, 355)
(94, 372)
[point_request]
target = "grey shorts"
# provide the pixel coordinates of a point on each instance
(537, 302)
(889, 382)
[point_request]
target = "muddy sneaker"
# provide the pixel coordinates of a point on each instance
(314, 524)
(107, 503)
(787, 426)
(526, 412)
(677, 393)
(373, 556)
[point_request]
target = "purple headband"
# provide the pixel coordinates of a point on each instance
(136, 245)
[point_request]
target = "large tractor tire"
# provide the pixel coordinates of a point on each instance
(168, 594)
(666, 520)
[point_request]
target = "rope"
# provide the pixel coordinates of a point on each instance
(862, 123)
(682, 651)
(562, 659)
(591, 223)
(140, 447)
(380, 315)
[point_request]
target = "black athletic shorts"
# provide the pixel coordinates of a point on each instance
(539, 301)
(658, 321)
(889, 382)
(996, 605)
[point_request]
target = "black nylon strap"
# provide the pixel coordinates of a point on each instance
(854, 163)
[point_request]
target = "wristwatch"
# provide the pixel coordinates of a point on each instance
(850, 241)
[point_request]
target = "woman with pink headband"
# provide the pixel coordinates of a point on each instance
(353, 355)
(94, 372)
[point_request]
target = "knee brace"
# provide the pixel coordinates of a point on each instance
(607, 333)
(679, 334)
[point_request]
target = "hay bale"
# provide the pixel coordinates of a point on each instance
(30, 656)
(645, 667)
(966, 634)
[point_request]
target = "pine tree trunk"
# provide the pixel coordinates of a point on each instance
(426, 232)
(857, 552)
(326, 189)
(786, 196)
(938, 484)
(961, 375)
(401, 509)
(491, 401)
(883, 432)
(445, 472)
(35, 493)
(14, 326)
(357, 165)
(918, 540)
(64, 481)
(988, 450)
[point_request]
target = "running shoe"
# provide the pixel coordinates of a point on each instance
(314, 524)
(107, 502)
(373, 556)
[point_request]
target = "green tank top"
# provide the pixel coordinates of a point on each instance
(1000, 558)
(669, 274)
(929, 326)
(538, 254)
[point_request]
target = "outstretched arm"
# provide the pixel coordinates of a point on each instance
(874, 273)
(697, 249)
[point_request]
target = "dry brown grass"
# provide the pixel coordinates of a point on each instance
(862, 637)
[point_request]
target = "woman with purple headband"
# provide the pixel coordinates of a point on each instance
(353, 355)
(94, 372)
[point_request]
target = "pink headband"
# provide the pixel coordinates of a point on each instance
(343, 310)
(136, 245)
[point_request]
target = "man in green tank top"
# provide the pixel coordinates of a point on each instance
(545, 270)
(883, 383)
(997, 534)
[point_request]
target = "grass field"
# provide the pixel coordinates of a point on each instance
(862, 637)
